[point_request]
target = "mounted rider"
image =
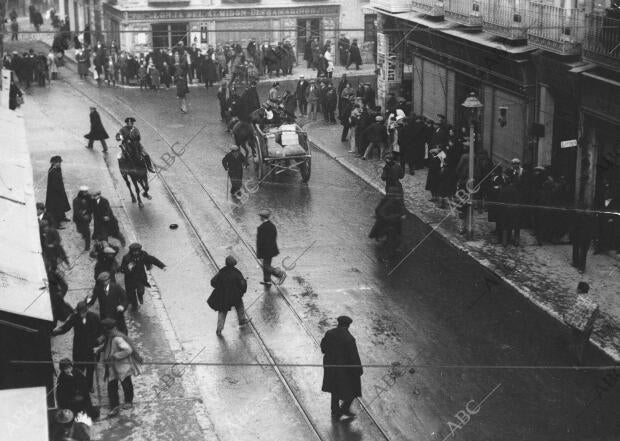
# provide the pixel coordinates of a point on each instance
(129, 137)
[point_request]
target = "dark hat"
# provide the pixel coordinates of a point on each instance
(103, 277)
(55, 158)
(264, 213)
(108, 323)
(231, 261)
(65, 362)
(135, 246)
(40, 206)
(130, 119)
(344, 320)
(64, 416)
(81, 306)
(583, 287)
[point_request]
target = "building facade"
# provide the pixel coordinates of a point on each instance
(141, 25)
(547, 72)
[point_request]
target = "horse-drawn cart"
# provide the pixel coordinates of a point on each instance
(282, 148)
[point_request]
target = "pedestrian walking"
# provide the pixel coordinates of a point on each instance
(134, 265)
(106, 260)
(312, 97)
(86, 332)
(392, 173)
(112, 300)
(344, 383)
(72, 390)
(56, 201)
(97, 131)
(122, 361)
(267, 248)
(300, 93)
(581, 235)
(105, 224)
(83, 214)
(233, 163)
(182, 91)
(229, 286)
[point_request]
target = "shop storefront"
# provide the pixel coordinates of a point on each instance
(143, 29)
(599, 152)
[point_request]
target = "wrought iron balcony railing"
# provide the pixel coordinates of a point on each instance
(465, 12)
(505, 18)
(555, 29)
(602, 40)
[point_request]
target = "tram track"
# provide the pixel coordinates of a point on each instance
(215, 267)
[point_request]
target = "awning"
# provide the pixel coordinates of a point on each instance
(601, 78)
(23, 280)
(583, 68)
(23, 414)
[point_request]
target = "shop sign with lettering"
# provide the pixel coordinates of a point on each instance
(180, 14)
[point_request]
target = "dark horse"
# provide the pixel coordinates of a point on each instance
(134, 164)
(243, 133)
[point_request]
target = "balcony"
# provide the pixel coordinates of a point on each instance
(393, 6)
(555, 29)
(505, 18)
(465, 12)
(433, 8)
(602, 40)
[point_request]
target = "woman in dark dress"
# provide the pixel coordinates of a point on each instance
(433, 179)
(56, 201)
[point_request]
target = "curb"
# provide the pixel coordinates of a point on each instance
(613, 353)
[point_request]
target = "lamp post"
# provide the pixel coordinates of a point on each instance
(472, 104)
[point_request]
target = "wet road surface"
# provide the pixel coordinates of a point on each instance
(470, 336)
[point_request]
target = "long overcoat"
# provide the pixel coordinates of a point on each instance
(97, 131)
(229, 286)
(266, 245)
(56, 201)
(339, 348)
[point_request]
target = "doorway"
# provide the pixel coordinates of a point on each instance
(306, 28)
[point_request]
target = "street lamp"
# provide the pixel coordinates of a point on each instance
(472, 104)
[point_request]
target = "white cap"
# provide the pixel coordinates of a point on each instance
(83, 188)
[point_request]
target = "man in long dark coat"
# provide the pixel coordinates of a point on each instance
(97, 131)
(355, 57)
(86, 330)
(343, 383)
(56, 201)
(267, 248)
(83, 214)
(229, 287)
(233, 163)
(112, 301)
(251, 99)
(300, 93)
(134, 265)
(104, 222)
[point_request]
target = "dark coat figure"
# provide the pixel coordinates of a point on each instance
(110, 296)
(73, 393)
(389, 215)
(58, 289)
(53, 251)
(497, 182)
(608, 221)
(229, 287)
(97, 131)
(105, 224)
(233, 163)
(509, 213)
(134, 265)
(86, 332)
(266, 241)
(14, 92)
(433, 178)
(56, 201)
(251, 99)
(300, 93)
(106, 260)
(355, 57)
(392, 174)
(83, 215)
(344, 383)
(583, 224)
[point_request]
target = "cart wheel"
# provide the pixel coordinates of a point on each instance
(305, 169)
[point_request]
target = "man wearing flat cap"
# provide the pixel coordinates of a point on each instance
(134, 265)
(229, 286)
(112, 300)
(104, 221)
(344, 383)
(86, 332)
(56, 201)
(267, 248)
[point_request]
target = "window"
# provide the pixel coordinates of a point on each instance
(167, 35)
(370, 29)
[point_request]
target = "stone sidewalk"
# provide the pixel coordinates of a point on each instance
(543, 274)
(177, 413)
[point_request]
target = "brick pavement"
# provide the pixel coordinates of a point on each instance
(542, 274)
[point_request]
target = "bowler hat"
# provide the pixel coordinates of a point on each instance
(264, 213)
(55, 158)
(108, 323)
(344, 320)
(65, 362)
(130, 119)
(64, 416)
